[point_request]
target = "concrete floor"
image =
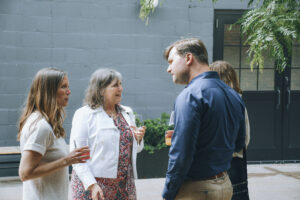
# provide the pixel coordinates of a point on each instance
(266, 182)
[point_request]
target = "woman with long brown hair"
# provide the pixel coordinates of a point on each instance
(238, 171)
(44, 153)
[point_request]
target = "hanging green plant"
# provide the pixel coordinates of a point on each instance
(147, 7)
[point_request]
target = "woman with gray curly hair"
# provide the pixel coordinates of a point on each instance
(107, 125)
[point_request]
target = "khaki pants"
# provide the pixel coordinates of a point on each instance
(216, 189)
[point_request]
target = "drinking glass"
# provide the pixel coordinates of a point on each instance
(139, 120)
(139, 123)
(168, 137)
(171, 120)
(169, 133)
(82, 142)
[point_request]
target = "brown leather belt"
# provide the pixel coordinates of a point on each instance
(222, 174)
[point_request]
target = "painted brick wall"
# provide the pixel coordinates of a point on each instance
(80, 36)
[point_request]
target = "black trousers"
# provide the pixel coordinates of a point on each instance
(239, 178)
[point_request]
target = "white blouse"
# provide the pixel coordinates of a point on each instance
(37, 135)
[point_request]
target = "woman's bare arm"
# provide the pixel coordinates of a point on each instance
(30, 166)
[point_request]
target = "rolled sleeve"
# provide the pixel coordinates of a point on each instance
(240, 141)
(40, 138)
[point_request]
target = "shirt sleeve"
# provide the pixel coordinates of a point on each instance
(240, 141)
(80, 130)
(40, 138)
(187, 126)
(247, 140)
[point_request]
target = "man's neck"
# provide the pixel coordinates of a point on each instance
(197, 70)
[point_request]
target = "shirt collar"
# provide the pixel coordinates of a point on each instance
(204, 75)
(100, 109)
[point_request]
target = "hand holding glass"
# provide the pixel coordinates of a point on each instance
(168, 137)
(169, 133)
(82, 142)
(138, 131)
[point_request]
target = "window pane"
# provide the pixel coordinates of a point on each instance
(245, 63)
(295, 79)
(232, 55)
(266, 79)
(232, 37)
(268, 62)
(296, 57)
(237, 71)
(248, 79)
(244, 38)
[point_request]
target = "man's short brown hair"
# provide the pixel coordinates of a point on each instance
(189, 45)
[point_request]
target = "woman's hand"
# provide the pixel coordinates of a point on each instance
(96, 192)
(139, 132)
(79, 155)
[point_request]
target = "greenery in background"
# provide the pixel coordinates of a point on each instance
(154, 138)
(271, 26)
(145, 10)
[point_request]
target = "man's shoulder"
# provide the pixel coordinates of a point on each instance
(199, 86)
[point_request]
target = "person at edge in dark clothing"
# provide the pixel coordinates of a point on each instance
(238, 170)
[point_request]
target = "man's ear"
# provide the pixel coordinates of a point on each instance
(189, 59)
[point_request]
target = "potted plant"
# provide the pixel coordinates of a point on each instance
(152, 162)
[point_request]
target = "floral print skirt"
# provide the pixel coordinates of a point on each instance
(113, 189)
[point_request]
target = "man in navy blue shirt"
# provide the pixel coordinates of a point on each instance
(209, 127)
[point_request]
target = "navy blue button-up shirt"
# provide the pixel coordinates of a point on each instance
(209, 127)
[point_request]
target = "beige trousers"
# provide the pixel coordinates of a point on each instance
(216, 189)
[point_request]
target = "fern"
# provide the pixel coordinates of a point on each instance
(271, 28)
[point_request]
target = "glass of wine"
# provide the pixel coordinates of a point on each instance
(82, 142)
(170, 131)
(139, 126)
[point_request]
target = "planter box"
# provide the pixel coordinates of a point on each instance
(152, 165)
(148, 165)
(9, 165)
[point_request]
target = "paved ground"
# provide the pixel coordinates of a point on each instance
(266, 182)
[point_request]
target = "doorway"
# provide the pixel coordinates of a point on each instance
(272, 98)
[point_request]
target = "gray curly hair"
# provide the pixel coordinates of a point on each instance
(99, 80)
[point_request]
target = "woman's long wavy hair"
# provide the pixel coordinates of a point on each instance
(99, 80)
(42, 98)
(227, 74)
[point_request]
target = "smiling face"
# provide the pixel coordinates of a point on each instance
(63, 92)
(177, 67)
(113, 92)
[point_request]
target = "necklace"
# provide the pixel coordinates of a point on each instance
(112, 114)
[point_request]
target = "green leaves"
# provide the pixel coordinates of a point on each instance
(271, 28)
(154, 138)
(145, 10)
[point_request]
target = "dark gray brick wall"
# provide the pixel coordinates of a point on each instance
(80, 36)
